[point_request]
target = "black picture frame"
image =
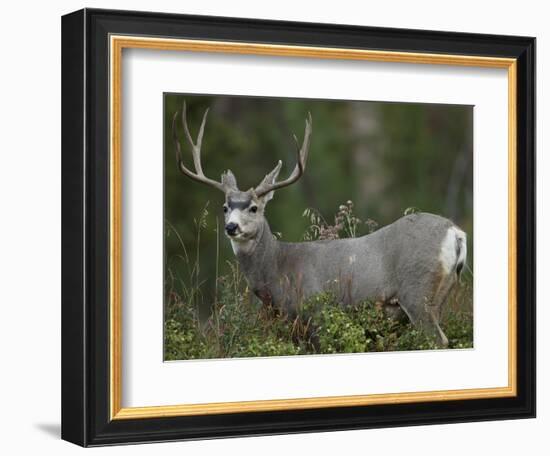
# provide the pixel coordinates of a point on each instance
(85, 228)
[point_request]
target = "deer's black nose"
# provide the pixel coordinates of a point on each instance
(231, 228)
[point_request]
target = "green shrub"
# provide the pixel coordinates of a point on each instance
(337, 331)
(182, 334)
(457, 319)
(240, 326)
(268, 346)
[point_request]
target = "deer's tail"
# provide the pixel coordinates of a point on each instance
(461, 251)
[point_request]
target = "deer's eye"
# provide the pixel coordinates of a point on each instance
(225, 209)
(253, 209)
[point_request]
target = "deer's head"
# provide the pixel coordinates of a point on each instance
(244, 211)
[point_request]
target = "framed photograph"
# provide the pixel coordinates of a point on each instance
(274, 227)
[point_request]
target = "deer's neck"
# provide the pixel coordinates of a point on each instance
(257, 257)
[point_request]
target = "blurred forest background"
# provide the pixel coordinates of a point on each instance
(385, 157)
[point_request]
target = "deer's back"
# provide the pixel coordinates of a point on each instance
(373, 266)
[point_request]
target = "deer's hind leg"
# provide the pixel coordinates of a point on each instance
(391, 309)
(422, 304)
(442, 291)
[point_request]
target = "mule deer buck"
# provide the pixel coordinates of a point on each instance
(410, 265)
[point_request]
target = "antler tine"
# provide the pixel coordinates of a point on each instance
(302, 153)
(195, 149)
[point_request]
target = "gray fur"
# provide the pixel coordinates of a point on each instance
(400, 263)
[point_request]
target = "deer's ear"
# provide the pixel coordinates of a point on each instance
(267, 197)
(228, 180)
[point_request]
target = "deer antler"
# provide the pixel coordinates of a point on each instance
(268, 185)
(195, 149)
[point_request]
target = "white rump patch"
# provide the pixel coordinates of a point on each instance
(453, 249)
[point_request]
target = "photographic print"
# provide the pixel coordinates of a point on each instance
(304, 227)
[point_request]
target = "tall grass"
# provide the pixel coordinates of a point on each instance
(238, 325)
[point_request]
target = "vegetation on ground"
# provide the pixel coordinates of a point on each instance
(238, 325)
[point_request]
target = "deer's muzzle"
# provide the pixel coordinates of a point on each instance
(231, 229)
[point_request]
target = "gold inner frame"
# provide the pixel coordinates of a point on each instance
(117, 44)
